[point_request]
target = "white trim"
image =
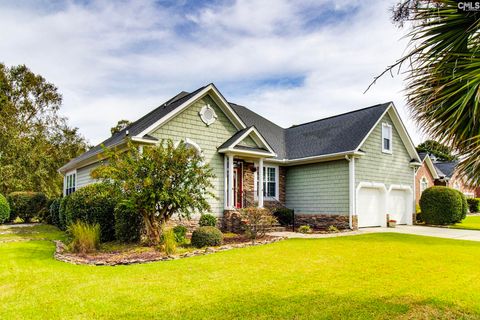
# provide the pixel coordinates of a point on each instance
(143, 140)
(265, 144)
(312, 159)
(411, 198)
(202, 111)
(390, 138)
(67, 174)
(246, 152)
(225, 186)
(260, 183)
(374, 185)
(231, 203)
(277, 189)
(431, 167)
(422, 179)
(208, 89)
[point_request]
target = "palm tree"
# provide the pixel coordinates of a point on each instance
(443, 75)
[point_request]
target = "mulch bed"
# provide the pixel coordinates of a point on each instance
(135, 256)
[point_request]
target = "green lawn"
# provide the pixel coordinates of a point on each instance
(470, 222)
(381, 276)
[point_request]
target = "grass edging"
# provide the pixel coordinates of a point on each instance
(61, 254)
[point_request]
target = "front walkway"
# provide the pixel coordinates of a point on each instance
(446, 233)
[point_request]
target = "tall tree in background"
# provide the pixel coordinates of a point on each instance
(443, 75)
(121, 124)
(440, 151)
(34, 140)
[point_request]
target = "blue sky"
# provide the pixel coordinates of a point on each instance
(290, 61)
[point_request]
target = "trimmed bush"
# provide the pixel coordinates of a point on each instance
(443, 205)
(94, 203)
(85, 237)
(180, 234)
(305, 229)
(473, 204)
(54, 210)
(284, 216)
(207, 220)
(27, 205)
(207, 236)
(4, 209)
(128, 222)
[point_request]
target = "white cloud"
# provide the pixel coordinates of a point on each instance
(118, 60)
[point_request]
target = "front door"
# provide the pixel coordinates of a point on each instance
(238, 183)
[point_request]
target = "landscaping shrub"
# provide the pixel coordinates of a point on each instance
(207, 220)
(180, 234)
(128, 222)
(473, 204)
(332, 229)
(94, 203)
(207, 236)
(442, 205)
(168, 242)
(85, 237)
(54, 210)
(62, 215)
(284, 216)
(257, 221)
(27, 205)
(4, 209)
(304, 229)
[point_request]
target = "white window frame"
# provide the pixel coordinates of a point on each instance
(277, 182)
(423, 180)
(390, 129)
(65, 182)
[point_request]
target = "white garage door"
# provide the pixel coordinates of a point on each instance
(370, 207)
(399, 206)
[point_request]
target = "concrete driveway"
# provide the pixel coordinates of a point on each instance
(446, 233)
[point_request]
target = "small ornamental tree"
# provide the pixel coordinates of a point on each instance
(161, 181)
(257, 221)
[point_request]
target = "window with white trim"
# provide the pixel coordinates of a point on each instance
(70, 183)
(386, 138)
(423, 184)
(270, 182)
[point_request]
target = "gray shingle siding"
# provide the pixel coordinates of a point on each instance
(376, 166)
(319, 188)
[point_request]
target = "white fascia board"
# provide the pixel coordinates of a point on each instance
(223, 104)
(262, 141)
(246, 152)
(431, 167)
(321, 158)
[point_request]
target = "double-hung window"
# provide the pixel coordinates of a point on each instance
(270, 182)
(70, 183)
(423, 184)
(386, 138)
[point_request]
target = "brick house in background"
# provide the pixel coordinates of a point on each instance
(425, 176)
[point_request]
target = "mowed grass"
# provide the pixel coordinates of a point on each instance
(470, 222)
(382, 276)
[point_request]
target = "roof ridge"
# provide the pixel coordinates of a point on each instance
(339, 115)
(239, 105)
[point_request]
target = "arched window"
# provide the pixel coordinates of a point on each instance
(190, 144)
(423, 184)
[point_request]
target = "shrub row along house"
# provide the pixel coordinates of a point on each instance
(348, 170)
(434, 172)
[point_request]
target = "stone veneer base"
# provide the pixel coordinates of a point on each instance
(63, 256)
(323, 221)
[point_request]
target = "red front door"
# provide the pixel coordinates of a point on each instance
(238, 184)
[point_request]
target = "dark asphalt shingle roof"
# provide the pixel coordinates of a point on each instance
(446, 169)
(422, 155)
(335, 134)
(341, 133)
(272, 133)
(138, 126)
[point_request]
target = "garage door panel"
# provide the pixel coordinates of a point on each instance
(370, 209)
(398, 205)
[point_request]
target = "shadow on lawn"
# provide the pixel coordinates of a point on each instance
(329, 306)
